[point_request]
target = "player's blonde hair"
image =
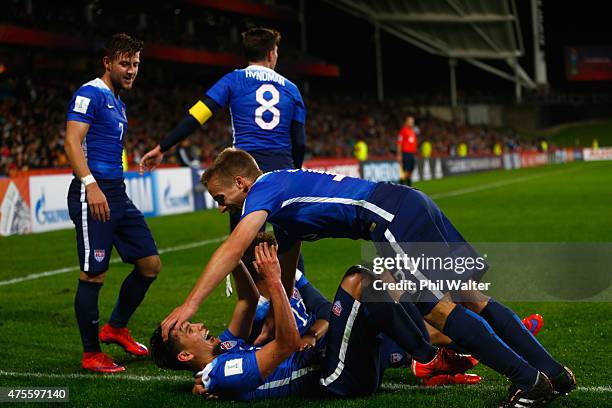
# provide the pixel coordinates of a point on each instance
(230, 163)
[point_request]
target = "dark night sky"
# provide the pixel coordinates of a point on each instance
(348, 41)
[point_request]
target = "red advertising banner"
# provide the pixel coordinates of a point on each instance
(346, 167)
(533, 159)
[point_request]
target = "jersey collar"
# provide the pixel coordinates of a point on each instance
(261, 67)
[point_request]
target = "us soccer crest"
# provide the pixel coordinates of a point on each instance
(99, 254)
(227, 345)
(337, 308)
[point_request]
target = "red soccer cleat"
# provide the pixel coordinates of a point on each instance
(122, 337)
(100, 363)
(448, 379)
(534, 323)
(445, 362)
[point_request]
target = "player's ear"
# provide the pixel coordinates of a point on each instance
(184, 356)
(107, 62)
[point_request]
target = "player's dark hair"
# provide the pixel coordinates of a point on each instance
(122, 44)
(249, 254)
(232, 162)
(164, 353)
(258, 42)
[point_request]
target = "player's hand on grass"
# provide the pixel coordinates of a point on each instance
(98, 206)
(178, 316)
(151, 160)
(266, 262)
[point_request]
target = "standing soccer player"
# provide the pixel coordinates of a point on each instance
(406, 149)
(267, 111)
(102, 213)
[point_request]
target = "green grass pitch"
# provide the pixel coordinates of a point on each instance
(40, 346)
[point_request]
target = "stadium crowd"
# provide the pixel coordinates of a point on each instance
(33, 115)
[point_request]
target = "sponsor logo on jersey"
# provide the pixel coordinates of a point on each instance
(337, 308)
(227, 345)
(99, 254)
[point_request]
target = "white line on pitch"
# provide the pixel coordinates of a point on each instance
(115, 260)
(468, 190)
(187, 378)
(399, 386)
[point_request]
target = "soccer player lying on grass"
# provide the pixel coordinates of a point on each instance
(308, 305)
(307, 205)
(344, 361)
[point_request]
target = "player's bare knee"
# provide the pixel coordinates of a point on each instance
(474, 300)
(98, 278)
(149, 267)
(437, 316)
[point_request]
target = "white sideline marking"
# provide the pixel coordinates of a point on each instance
(113, 261)
(176, 378)
(496, 184)
(453, 193)
(399, 386)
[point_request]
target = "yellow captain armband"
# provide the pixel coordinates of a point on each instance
(201, 112)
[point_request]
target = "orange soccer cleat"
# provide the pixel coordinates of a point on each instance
(100, 362)
(445, 362)
(534, 323)
(450, 379)
(122, 337)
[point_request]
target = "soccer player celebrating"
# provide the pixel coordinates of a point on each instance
(307, 205)
(341, 359)
(100, 209)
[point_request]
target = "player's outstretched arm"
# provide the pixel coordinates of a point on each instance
(287, 338)
(222, 262)
(96, 200)
(199, 114)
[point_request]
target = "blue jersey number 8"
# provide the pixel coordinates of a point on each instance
(267, 105)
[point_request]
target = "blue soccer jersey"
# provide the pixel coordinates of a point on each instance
(235, 374)
(95, 104)
(303, 318)
(262, 104)
(308, 205)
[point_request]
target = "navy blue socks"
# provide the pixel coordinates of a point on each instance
(472, 332)
(513, 332)
(132, 292)
(87, 315)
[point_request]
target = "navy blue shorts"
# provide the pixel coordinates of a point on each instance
(408, 161)
(351, 366)
(126, 230)
(410, 223)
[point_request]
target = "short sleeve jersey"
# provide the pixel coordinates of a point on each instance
(407, 140)
(262, 104)
(308, 205)
(235, 373)
(95, 104)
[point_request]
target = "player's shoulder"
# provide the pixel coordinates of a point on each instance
(94, 88)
